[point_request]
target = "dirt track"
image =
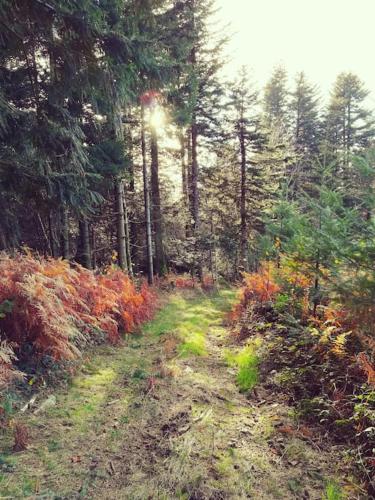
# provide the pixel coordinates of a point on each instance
(161, 417)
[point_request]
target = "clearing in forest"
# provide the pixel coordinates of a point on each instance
(163, 417)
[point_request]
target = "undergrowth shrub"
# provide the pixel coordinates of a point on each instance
(258, 287)
(322, 353)
(7, 370)
(53, 309)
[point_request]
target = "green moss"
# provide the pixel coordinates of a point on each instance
(100, 377)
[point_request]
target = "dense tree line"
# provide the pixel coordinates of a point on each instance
(87, 173)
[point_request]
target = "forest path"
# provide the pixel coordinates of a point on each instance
(161, 417)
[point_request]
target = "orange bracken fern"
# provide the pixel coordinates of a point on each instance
(56, 307)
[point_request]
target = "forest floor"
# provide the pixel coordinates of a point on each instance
(162, 417)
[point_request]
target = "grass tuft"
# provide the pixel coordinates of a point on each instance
(247, 362)
(194, 345)
(333, 492)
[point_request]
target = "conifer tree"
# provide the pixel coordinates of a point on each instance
(305, 116)
(199, 108)
(349, 124)
(160, 263)
(275, 105)
(306, 130)
(245, 121)
(45, 49)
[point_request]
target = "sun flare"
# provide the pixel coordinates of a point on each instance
(157, 118)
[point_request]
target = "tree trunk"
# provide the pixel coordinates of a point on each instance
(150, 267)
(48, 249)
(3, 241)
(133, 229)
(349, 135)
(160, 263)
(189, 196)
(212, 250)
(65, 233)
(194, 178)
(316, 300)
(54, 243)
(122, 230)
(184, 173)
(121, 235)
(93, 249)
(243, 229)
(195, 194)
(84, 253)
(127, 236)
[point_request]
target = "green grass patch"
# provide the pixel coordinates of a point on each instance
(190, 317)
(139, 374)
(168, 318)
(333, 492)
(247, 363)
(194, 345)
(53, 445)
(7, 462)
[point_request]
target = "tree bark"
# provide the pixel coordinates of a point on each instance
(121, 234)
(195, 194)
(189, 196)
(160, 263)
(93, 248)
(127, 236)
(84, 256)
(184, 173)
(194, 178)
(54, 243)
(146, 193)
(3, 241)
(65, 233)
(48, 249)
(121, 215)
(133, 229)
(243, 227)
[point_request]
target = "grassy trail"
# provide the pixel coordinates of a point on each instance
(164, 417)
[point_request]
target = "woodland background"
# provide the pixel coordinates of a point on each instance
(123, 148)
